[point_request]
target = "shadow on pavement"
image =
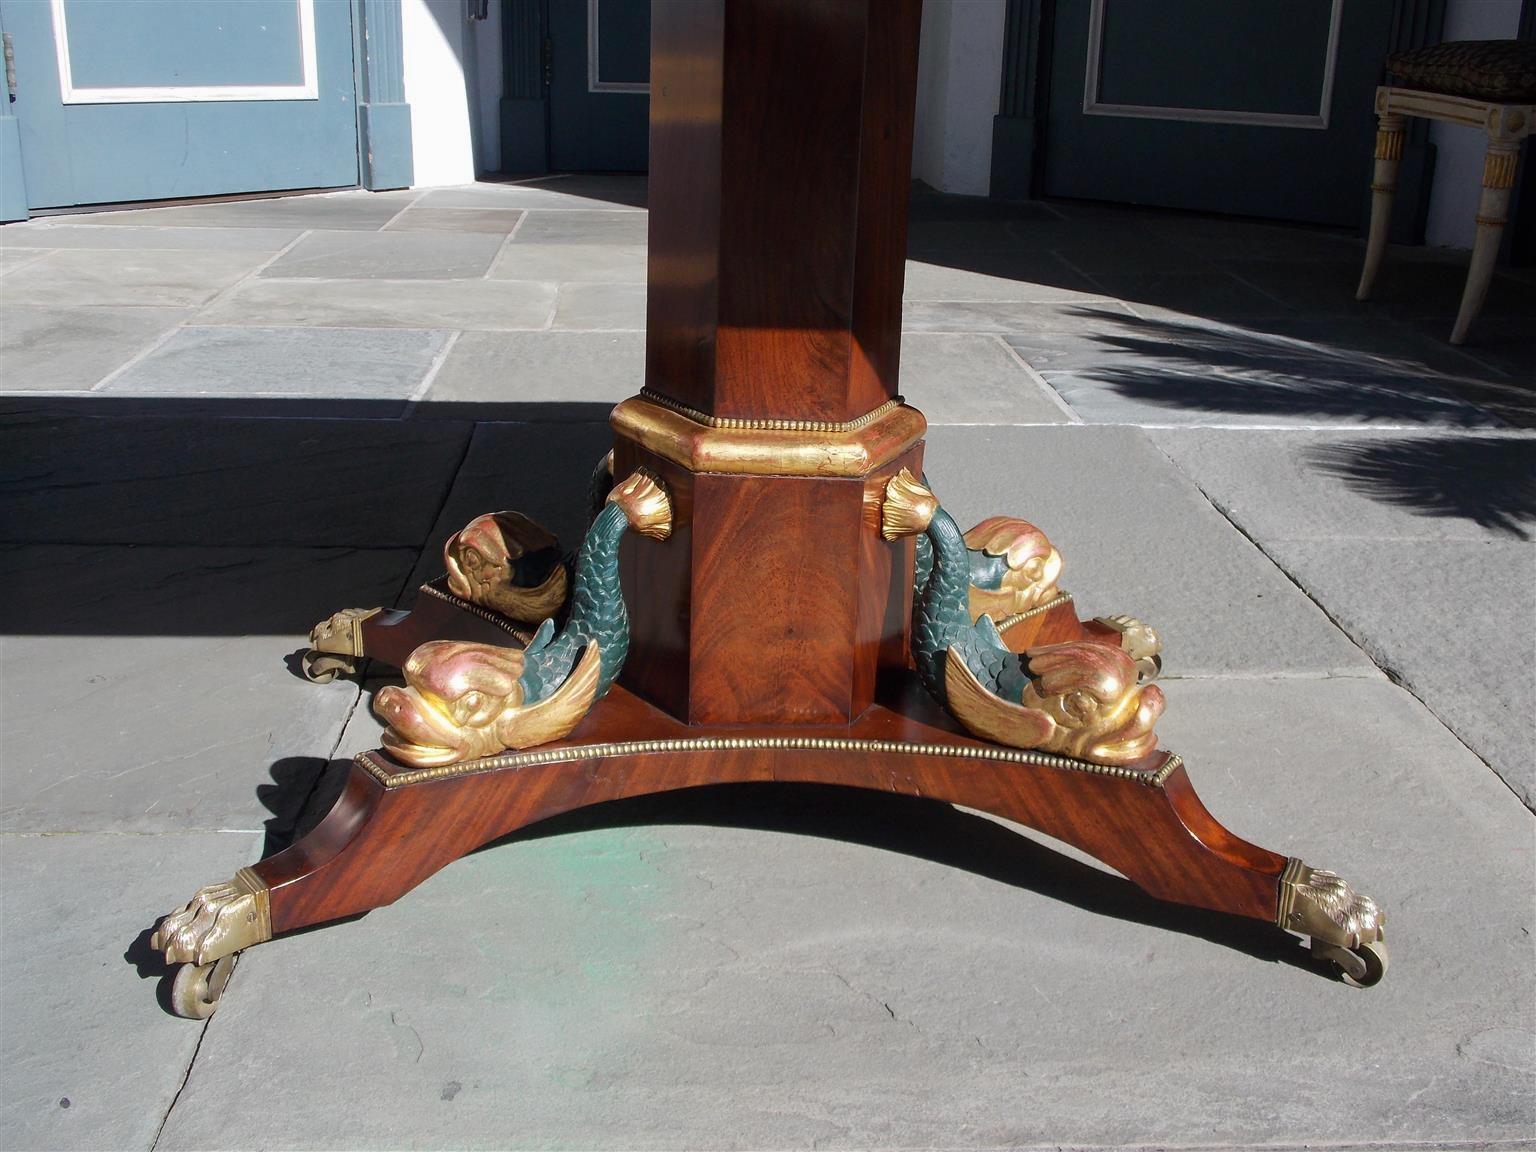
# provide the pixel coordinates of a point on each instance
(134, 518)
(1489, 480)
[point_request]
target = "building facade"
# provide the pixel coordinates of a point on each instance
(1258, 109)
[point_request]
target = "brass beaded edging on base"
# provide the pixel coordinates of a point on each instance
(1008, 622)
(388, 779)
(431, 589)
(768, 424)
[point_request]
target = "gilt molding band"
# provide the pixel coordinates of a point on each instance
(879, 438)
(390, 776)
(1389, 144)
(768, 424)
(1499, 169)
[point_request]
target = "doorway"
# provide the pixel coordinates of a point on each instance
(1256, 108)
(181, 98)
(599, 54)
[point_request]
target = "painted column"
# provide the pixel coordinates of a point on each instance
(13, 188)
(383, 116)
(1017, 126)
(524, 104)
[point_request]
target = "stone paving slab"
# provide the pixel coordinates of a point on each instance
(1138, 538)
(1462, 645)
(185, 480)
(13, 258)
(1151, 394)
(55, 349)
(425, 218)
(582, 226)
(318, 362)
(366, 211)
(1363, 485)
(938, 281)
(50, 233)
(91, 1058)
(543, 370)
(165, 279)
(585, 263)
(573, 192)
(1002, 317)
(1420, 547)
(164, 696)
(773, 966)
(1079, 338)
(973, 379)
(485, 305)
(601, 307)
(1217, 295)
(387, 256)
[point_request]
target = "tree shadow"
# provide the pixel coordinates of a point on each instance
(1230, 370)
(1488, 480)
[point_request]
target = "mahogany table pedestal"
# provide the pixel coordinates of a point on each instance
(770, 589)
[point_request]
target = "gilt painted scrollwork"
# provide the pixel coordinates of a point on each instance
(1079, 698)
(463, 701)
(507, 563)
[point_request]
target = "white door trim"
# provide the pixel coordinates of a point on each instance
(594, 81)
(1093, 107)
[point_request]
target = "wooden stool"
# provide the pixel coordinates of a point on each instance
(1487, 84)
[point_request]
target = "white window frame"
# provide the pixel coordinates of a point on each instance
(307, 89)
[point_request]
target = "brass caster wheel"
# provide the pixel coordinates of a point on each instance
(323, 667)
(1359, 967)
(197, 988)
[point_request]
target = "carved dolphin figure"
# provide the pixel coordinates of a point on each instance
(1013, 567)
(508, 563)
(1079, 698)
(463, 701)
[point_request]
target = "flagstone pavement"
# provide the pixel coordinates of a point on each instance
(224, 421)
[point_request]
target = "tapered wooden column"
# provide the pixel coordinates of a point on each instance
(781, 135)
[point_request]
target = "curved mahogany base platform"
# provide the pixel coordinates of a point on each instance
(393, 826)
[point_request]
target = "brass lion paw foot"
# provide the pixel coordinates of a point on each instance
(1346, 928)
(204, 934)
(336, 645)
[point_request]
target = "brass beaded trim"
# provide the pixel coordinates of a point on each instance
(1008, 622)
(389, 779)
(495, 618)
(754, 424)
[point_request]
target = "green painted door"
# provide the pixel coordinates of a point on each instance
(1250, 107)
(599, 85)
(121, 100)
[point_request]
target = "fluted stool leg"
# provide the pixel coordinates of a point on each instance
(1389, 155)
(1492, 213)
